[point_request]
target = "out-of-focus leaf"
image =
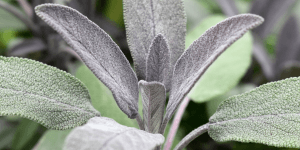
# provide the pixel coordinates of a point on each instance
(227, 70)
(158, 62)
(213, 104)
(9, 21)
(272, 11)
(107, 134)
(146, 19)
(102, 98)
(202, 53)
(7, 132)
(26, 47)
(228, 7)
(52, 140)
(98, 51)
(290, 69)
(195, 13)
(114, 11)
(268, 114)
(24, 133)
(43, 94)
(287, 48)
(154, 99)
(86, 7)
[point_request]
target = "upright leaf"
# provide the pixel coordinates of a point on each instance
(98, 51)
(203, 52)
(105, 133)
(268, 114)
(43, 94)
(158, 62)
(147, 18)
(154, 99)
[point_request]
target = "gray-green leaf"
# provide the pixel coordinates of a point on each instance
(154, 99)
(268, 114)
(158, 62)
(144, 19)
(43, 93)
(203, 52)
(106, 134)
(98, 51)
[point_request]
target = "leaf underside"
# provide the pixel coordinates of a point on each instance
(154, 99)
(203, 52)
(106, 134)
(98, 51)
(148, 18)
(43, 94)
(268, 114)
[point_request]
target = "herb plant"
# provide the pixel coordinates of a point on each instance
(156, 35)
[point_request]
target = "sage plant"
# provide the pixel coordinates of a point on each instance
(156, 31)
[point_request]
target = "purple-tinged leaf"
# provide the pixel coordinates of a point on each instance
(158, 62)
(26, 47)
(144, 19)
(202, 53)
(98, 52)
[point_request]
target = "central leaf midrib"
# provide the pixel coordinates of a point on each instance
(113, 137)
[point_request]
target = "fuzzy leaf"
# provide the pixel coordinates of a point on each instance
(272, 11)
(147, 18)
(154, 99)
(26, 47)
(98, 51)
(106, 134)
(268, 114)
(203, 52)
(158, 62)
(227, 70)
(43, 94)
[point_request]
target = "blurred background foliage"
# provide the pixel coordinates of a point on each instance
(270, 52)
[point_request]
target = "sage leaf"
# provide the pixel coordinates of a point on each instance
(227, 70)
(228, 7)
(7, 132)
(98, 51)
(272, 11)
(106, 134)
(43, 94)
(268, 114)
(145, 19)
(158, 62)
(203, 52)
(26, 47)
(154, 99)
(52, 139)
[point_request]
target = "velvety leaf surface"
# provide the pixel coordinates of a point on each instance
(268, 114)
(52, 140)
(158, 62)
(203, 52)
(43, 94)
(154, 99)
(146, 19)
(227, 70)
(106, 134)
(102, 98)
(98, 51)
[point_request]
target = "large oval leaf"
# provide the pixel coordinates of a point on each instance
(106, 134)
(98, 51)
(43, 93)
(227, 70)
(268, 114)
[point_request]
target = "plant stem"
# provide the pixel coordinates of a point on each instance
(19, 15)
(191, 136)
(176, 123)
(140, 122)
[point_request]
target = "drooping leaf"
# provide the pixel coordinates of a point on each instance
(43, 94)
(26, 47)
(287, 47)
(227, 70)
(203, 52)
(228, 7)
(145, 19)
(154, 99)
(272, 11)
(158, 62)
(105, 133)
(268, 114)
(52, 139)
(98, 51)
(102, 98)
(25, 132)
